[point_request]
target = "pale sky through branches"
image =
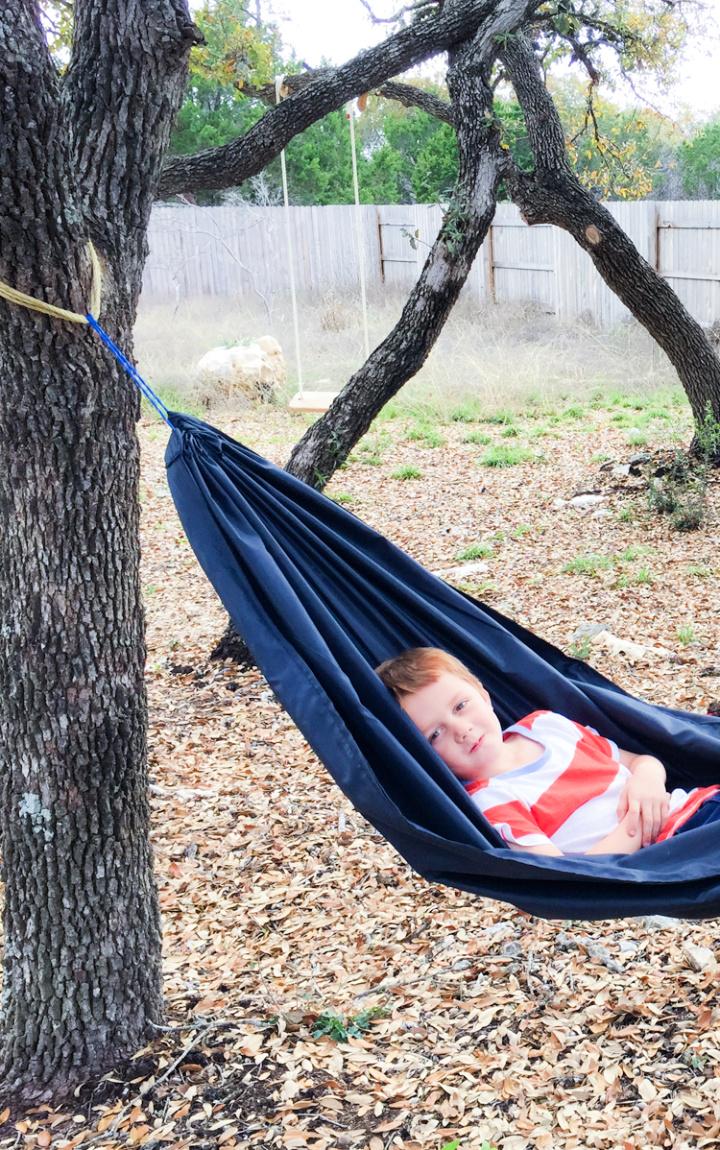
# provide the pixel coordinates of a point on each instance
(338, 29)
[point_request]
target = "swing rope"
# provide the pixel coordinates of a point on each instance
(279, 81)
(22, 299)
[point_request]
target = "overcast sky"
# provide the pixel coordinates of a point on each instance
(338, 29)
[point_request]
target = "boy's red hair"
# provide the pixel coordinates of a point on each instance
(413, 669)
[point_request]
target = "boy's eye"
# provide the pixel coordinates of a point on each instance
(459, 706)
(433, 735)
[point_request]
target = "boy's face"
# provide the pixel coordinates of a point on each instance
(457, 719)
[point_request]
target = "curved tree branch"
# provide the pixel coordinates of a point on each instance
(412, 97)
(234, 163)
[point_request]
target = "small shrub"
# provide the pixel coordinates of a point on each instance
(681, 493)
(690, 516)
(505, 455)
(407, 472)
(474, 551)
(333, 1026)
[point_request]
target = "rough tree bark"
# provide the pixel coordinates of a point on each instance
(79, 161)
(553, 194)
(328, 441)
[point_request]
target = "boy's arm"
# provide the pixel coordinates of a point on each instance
(618, 842)
(644, 803)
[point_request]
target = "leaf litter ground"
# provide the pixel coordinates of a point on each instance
(474, 1022)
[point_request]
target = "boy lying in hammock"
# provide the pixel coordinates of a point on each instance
(548, 785)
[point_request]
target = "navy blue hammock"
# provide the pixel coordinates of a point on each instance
(320, 599)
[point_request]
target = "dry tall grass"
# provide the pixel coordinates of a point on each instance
(507, 355)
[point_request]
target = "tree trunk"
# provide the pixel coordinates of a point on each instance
(553, 194)
(329, 441)
(82, 931)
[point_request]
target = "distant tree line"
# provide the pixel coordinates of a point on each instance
(406, 155)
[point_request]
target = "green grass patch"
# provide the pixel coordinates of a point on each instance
(469, 411)
(343, 497)
(686, 634)
(500, 417)
(480, 437)
(407, 472)
(509, 432)
(506, 455)
(474, 551)
(425, 435)
(581, 648)
(589, 564)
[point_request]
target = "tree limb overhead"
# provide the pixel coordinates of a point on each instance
(218, 168)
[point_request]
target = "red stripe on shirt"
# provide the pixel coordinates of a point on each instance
(678, 818)
(589, 774)
(517, 817)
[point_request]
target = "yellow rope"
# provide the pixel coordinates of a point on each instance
(19, 297)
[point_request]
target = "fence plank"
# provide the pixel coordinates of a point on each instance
(241, 252)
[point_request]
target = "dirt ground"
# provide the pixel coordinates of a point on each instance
(318, 993)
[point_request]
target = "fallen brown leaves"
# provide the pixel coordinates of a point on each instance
(280, 904)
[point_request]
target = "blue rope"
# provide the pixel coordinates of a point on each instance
(134, 374)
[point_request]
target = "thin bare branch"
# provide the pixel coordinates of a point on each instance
(415, 8)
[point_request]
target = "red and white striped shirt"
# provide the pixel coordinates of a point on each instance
(569, 794)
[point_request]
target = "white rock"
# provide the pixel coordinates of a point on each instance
(661, 922)
(699, 957)
(581, 502)
(465, 569)
(632, 651)
(244, 374)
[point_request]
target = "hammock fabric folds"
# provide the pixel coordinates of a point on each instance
(321, 599)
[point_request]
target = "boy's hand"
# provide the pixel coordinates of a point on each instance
(644, 803)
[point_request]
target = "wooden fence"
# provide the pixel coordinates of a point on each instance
(242, 252)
